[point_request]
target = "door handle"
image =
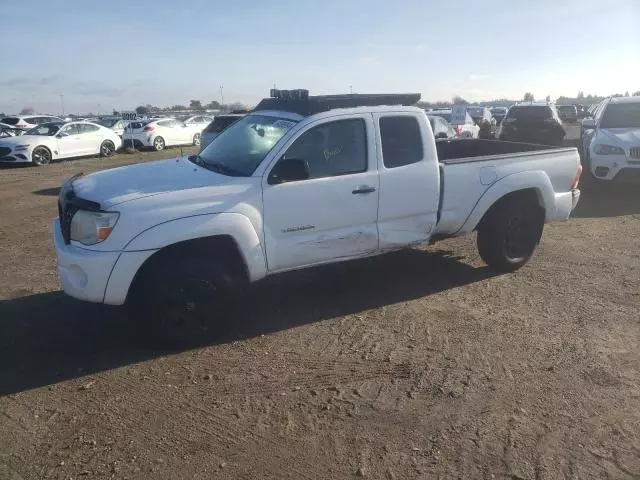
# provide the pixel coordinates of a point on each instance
(363, 189)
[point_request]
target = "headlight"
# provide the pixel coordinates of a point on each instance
(90, 228)
(608, 150)
(21, 147)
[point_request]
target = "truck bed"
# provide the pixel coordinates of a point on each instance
(471, 168)
(474, 150)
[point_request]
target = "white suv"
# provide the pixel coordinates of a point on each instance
(613, 138)
(27, 122)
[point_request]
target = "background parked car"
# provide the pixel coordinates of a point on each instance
(533, 123)
(114, 123)
(158, 134)
(568, 113)
(483, 118)
(468, 129)
(499, 113)
(196, 121)
(56, 140)
(27, 122)
(217, 126)
(441, 128)
(612, 140)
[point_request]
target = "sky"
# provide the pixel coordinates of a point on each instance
(101, 55)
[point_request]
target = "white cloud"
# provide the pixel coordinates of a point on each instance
(478, 76)
(369, 61)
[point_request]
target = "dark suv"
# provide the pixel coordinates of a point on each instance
(533, 123)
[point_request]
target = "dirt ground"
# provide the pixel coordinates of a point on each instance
(417, 364)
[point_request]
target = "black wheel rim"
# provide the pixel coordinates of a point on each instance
(41, 156)
(189, 308)
(516, 244)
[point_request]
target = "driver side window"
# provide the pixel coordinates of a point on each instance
(332, 149)
(71, 130)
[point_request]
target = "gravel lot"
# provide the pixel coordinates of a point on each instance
(417, 364)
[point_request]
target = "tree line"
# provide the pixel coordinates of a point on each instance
(194, 105)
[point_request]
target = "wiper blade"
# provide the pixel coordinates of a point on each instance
(223, 169)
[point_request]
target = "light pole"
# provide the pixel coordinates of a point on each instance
(221, 96)
(351, 89)
(62, 102)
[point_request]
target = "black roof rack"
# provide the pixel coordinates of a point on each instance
(323, 103)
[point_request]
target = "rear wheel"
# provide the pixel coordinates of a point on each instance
(183, 300)
(510, 231)
(196, 140)
(41, 156)
(158, 144)
(107, 148)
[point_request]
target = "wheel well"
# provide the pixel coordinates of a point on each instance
(223, 247)
(532, 195)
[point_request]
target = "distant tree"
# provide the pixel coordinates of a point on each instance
(213, 105)
(589, 96)
(152, 108)
(27, 111)
(548, 99)
(580, 95)
(195, 105)
(626, 94)
(142, 110)
(458, 100)
(236, 106)
(528, 97)
(116, 113)
(636, 94)
(176, 108)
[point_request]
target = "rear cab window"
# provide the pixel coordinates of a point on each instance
(530, 112)
(401, 141)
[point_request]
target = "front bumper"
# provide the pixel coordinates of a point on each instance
(607, 167)
(83, 273)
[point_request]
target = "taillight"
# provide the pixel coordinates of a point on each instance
(21, 125)
(458, 129)
(576, 180)
(148, 129)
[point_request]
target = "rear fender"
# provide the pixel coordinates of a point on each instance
(235, 225)
(534, 180)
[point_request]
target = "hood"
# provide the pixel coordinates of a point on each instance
(133, 182)
(621, 136)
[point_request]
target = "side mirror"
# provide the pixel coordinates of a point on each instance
(288, 170)
(588, 124)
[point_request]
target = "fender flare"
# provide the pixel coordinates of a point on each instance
(234, 225)
(536, 180)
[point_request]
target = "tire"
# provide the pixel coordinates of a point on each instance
(107, 148)
(158, 144)
(510, 231)
(182, 299)
(41, 156)
(196, 140)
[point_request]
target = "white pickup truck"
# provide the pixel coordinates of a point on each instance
(301, 181)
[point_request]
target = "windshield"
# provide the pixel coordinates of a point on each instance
(10, 120)
(499, 111)
(621, 115)
(45, 129)
(107, 122)
(239, 149)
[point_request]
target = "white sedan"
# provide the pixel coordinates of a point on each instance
(612, 140)
(158, 134)
(53, 141)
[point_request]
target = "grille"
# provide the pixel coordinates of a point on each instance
(4, 151)
(634, 152)
(66, 213)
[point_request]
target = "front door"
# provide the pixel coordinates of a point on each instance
(333, 214)
(69, 141)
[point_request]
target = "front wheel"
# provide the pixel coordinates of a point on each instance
(182, 300)
(107, 148)
(158, 144)
(41, 156)
(510, 231)
(196, 140)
